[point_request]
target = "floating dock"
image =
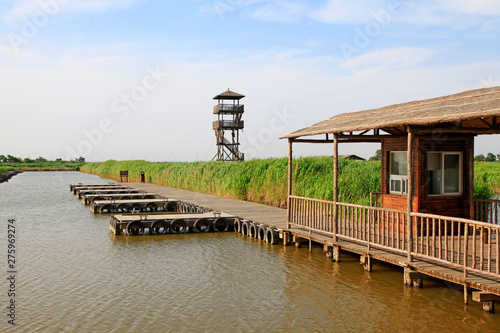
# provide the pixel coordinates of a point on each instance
(74, 187)
(124, 190)
(87, 199)
(174, 223)
(133, 205)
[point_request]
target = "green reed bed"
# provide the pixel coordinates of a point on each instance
(5, 169)
(265, 181)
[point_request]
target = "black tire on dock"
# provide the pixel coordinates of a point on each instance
(261, 235)
(135, 207)
(149, 196)
(237, 225)
(125, 197)
(150, 207)
(122, 208)
(159, 227)
(178, 226)
(245, 227)
(221, 224)
(171, 206)
(272, 235)
(105, 209)
(253, 231)
(201, 225)
(135, 228)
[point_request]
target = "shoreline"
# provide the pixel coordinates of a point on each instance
(8, 175)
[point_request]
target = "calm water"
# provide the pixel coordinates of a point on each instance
(75, 276)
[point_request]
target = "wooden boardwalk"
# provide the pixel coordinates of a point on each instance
(415, 271)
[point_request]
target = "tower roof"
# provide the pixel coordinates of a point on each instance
(229, 95)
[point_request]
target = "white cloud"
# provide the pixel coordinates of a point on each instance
(480, 7)
(281, 11)
(450, 13)
(27, 8)
(388, 58)
(338, 11)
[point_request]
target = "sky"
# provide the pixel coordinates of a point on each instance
(135, 79)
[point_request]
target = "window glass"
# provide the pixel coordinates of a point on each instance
(399, 163)
(434, 173)
(443, 173)
(451, 173)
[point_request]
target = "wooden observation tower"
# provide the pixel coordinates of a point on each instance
(229, 112)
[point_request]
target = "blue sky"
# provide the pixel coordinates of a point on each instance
(135, 79)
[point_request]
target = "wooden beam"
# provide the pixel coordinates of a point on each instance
(363, 137)
(482, 296)
(470, 166)
(311, 141)
(335, 183)
(409, 202)
(289, 200)
(485, 122)
(464, 130)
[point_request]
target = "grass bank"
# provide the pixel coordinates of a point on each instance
(265, 181)
(486, 179)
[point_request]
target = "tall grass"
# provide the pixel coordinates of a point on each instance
(486, 179)
(4, 169)
(263, 181)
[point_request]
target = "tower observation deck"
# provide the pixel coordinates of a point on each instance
(229, 112)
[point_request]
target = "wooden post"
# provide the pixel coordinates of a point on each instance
(471, 177)
(335, 183)
(409, 203)
(366, 261)
(290, 170)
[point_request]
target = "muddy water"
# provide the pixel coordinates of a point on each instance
(73, 275)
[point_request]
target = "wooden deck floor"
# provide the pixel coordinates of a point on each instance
(277, 217)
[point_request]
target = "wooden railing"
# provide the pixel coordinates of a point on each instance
(384, 228)
(487, 210)
(375, 199)
(312, 214)
(461, 243)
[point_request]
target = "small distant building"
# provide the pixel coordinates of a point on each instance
(229, 112)
(352, 157)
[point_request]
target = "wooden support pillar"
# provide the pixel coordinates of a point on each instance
(470, 166)
(466, 293)
(328, 250)
(487, 299)
(366, 261)
(286, 238)
(290, 170)
(335, 183)
(413, 278)
(406, 277)
(336, 253)
(409, 195)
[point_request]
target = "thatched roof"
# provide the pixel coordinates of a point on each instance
(475, 109)
(229, 95)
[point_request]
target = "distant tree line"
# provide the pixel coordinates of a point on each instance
(490, 157)
(39, 160)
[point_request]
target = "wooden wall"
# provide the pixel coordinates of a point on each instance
(456, 205)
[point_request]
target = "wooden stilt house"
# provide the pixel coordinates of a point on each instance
(427, 172)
